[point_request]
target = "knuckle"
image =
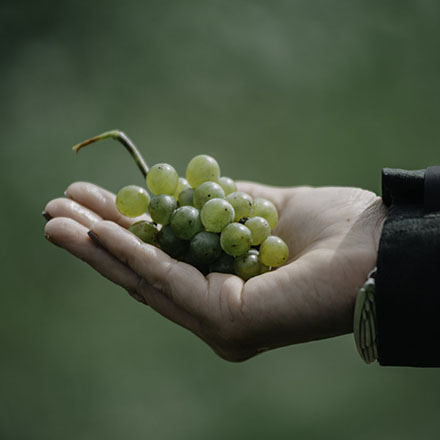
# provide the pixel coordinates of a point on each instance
(136, 296)
(235, 358)
(234, 351)
(232, 343)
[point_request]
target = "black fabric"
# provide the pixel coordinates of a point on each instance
(408, 271)
(432, 189)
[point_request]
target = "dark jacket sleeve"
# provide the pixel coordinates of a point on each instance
(408, 269)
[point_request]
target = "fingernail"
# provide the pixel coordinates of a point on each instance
(46, 215)
(95, 239)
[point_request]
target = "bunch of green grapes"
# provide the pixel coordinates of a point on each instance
(201, 218)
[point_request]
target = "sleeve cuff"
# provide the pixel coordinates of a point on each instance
(408, 272)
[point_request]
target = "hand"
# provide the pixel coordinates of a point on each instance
(332, 233)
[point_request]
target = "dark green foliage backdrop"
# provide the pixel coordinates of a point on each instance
(284, 92)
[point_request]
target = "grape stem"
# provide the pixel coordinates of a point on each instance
(124, 140)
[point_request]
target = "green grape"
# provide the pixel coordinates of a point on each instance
(248, 265)
(264, 268)
(207, 191)
(260, 229)
(181, 185)
(162, 179)
(236, 239)
(227, 184)
(205, 247)
(132, 201)
(186, 197)
(223, 264)
(172, 245)
(266, 209)
(242, 204)
(161, 208)
(216, 214)
(201, 169)
(274, 251)
(146, 231)
(185, 222)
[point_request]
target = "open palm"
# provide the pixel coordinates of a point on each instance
(333, 235)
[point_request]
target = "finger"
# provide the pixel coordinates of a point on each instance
(167, 308)
(101, 201)
(157, 300)
(72, 236)
(180, 282)
(70, 209)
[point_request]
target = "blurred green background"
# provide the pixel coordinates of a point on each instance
(284, 92)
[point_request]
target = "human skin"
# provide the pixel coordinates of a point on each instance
(332, 233)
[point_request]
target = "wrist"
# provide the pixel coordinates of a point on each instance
(364, 316)
(379, 215)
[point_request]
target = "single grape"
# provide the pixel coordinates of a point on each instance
(236, 239)
(227, 184)
(205, 247)
(169, 243)
(161, 208)
(266, 209)
(185, 222)
(201, 169)
(204, 268)
(260, 229)
(274, 251)
(146, 231)
(181, 185)
(162, 178)
(207, 191)
(132, 201)
(186, 197)
(248, 265)
(264, 268)
(223, 264)
(216, 214)
(242, 204)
